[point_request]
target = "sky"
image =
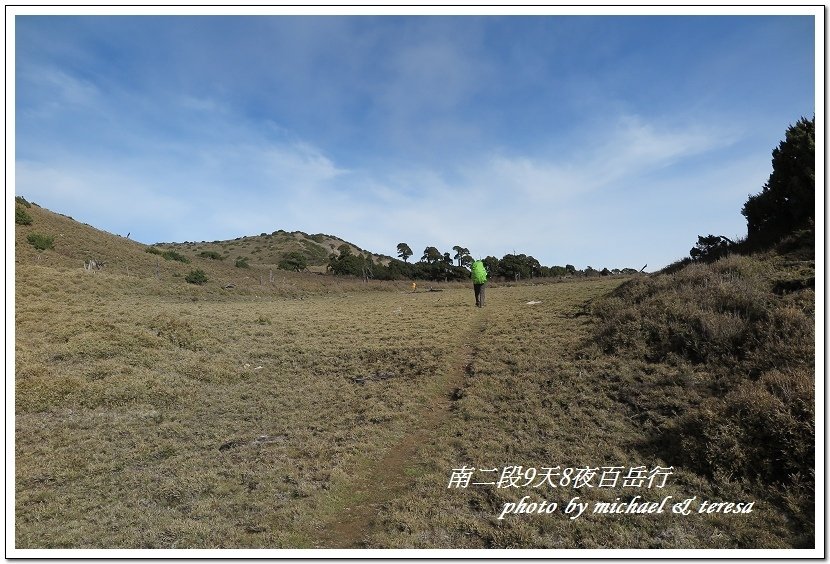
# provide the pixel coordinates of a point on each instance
(597, 140)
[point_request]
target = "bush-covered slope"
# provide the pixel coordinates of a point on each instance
(737, 339)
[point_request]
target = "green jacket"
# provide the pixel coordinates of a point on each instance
(478, 274)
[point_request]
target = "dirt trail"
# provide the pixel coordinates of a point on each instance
(387, 478)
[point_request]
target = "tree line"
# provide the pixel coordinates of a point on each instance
(437, 266)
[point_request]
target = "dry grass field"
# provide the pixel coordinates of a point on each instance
(315, 412)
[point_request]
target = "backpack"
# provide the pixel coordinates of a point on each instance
(478, 273)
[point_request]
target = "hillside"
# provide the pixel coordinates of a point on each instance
(76, 243)
(267, 250)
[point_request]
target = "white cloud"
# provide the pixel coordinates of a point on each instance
(200, 104)
(63, 86)
(300, 163)
(219, 175)
(559, 208)
(54, 92)
(635, 146)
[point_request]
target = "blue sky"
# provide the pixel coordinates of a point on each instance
(609, 141)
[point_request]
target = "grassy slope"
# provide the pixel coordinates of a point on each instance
(151, 413)
(266, 250)
(75, 243)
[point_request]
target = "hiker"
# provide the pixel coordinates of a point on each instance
(479, 276)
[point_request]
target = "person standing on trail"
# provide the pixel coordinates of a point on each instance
(479, 275)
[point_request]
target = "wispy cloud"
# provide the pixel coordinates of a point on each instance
(55, 92)
(499, 134)
(497, 203)
(492, 204)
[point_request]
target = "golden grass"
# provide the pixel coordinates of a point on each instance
(124, 398)
(320, 412)
(536, 397)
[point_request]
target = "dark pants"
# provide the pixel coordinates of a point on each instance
(479, 292)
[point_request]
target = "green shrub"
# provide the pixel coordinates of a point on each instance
(153, 251)
(40, 241)
(710, 248)
(173, 255)
(21, 217)
(213, 255)
(294, 261)
(315, 253)
(21, 200)
(242, 262)
(196, 277)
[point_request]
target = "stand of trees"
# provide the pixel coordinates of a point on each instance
(442, 267)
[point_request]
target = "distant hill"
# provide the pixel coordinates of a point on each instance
(268, 249)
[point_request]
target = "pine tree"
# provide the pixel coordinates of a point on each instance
(787, 201)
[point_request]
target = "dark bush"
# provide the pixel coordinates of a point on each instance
(747, 432)
(710, 248)
(315, 253)
(294, 261)
(40, 241)
(173, 255)
(762, 431)
(196, 277)
(21, 217)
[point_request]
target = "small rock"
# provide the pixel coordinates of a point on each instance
(231, 444)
